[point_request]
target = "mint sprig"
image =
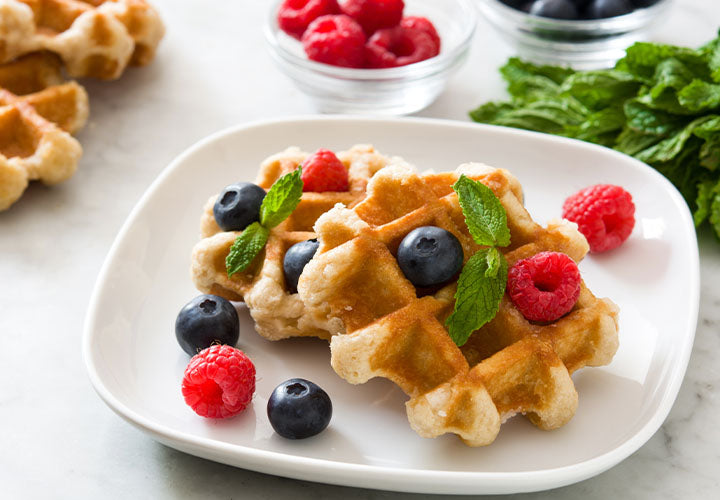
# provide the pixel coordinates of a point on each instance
(278, 204)
(482, 281)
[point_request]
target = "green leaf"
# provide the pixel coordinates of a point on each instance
(715, 213)
(246, 247)
(642, 59)
(533, 88)
(600, 123)
(516, 69)
(700, 96)
(706, 189)
(484, 214)
(491, 112)
(710, 153)
(642, 118)
(631, 142)
(282, 199)
(481, 287)
(598, 89)
(668, 149)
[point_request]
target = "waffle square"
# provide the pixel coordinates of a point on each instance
(392, 330)
(277, 312)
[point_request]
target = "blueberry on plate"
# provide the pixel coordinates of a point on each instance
(298, 409)
(295, 260)
(238, 206)
(557, 9)
(429, 256)
(601, 9)
(206, 320)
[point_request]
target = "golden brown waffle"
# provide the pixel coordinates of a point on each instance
(278, 314)
(37, 113)
(392, 330)
(94, 38)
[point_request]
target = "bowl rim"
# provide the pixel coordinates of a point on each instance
(441, 62)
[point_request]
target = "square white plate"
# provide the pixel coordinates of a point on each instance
(136, 366)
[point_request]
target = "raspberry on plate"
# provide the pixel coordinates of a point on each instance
(399, 46)
(294, 16)
(323, 171)
(219, 382)
(605, 215)
(422, 24)
(335, 39)
(374, 14)
(544, 287)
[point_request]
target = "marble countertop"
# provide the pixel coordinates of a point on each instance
(60, 440)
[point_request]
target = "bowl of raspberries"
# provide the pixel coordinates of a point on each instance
(383, 57)
(584, 34)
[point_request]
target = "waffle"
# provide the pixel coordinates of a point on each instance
(37, 114)
(278, 314)
(94, 38)
(392, 330)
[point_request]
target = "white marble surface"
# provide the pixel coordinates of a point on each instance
(59, 440)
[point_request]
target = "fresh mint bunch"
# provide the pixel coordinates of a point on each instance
(482, 281)
(660, 104)
(278, 204)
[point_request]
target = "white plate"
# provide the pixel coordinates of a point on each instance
(136, 365)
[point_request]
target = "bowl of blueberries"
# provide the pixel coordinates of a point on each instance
(584, 34)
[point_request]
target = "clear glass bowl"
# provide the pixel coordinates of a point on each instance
(391, 91)
(582, 44)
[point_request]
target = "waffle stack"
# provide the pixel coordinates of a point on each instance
(390, 329)
(38, 108)
(277, 312)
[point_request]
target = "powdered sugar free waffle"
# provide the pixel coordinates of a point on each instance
(390, 329)
(277, 312)
(37, 113)
(94, 38)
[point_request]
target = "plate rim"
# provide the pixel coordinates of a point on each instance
(393, 479)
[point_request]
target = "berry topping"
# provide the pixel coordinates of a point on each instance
(374, 14)
(600, 9)
(558, 9)
(206, 320)
(605, 214)
(545, 286)
(219, 382)
(323, 171)
(422, 24)
(295, 260)
(238, 206)
(429, 256)
(336, 40)
(294, 16)
(298, 409)
(399, 46)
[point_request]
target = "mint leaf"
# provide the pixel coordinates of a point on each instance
(484, 214)
(246, 247)
(282, 199)
(480, 289)
(516, 69)
(598, 89)
(706, 190)
(700, 96)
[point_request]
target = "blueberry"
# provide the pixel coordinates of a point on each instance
(557, 9)
(644, 3)
(298, 409)
(429, 256)
(600, 9)
(580, 4)
(515, 4)
(205, 320)
(238, 206)
(295, 260)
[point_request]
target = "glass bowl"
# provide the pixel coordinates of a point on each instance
(582, 44)
(391, 91)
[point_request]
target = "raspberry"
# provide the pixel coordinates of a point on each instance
(422, 24)
(322, 171)
(374, 14)
(336, 40)
(545, 286)
(219, 382)
(294, 16)
(605, 214)
(399, 46)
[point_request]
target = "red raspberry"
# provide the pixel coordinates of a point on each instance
(605, 214)
(219, 382)
(322, 171)
(374, 14)
(545, 286)
(294, 16)
(399, 46)
(336, 40)
(422, 24)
